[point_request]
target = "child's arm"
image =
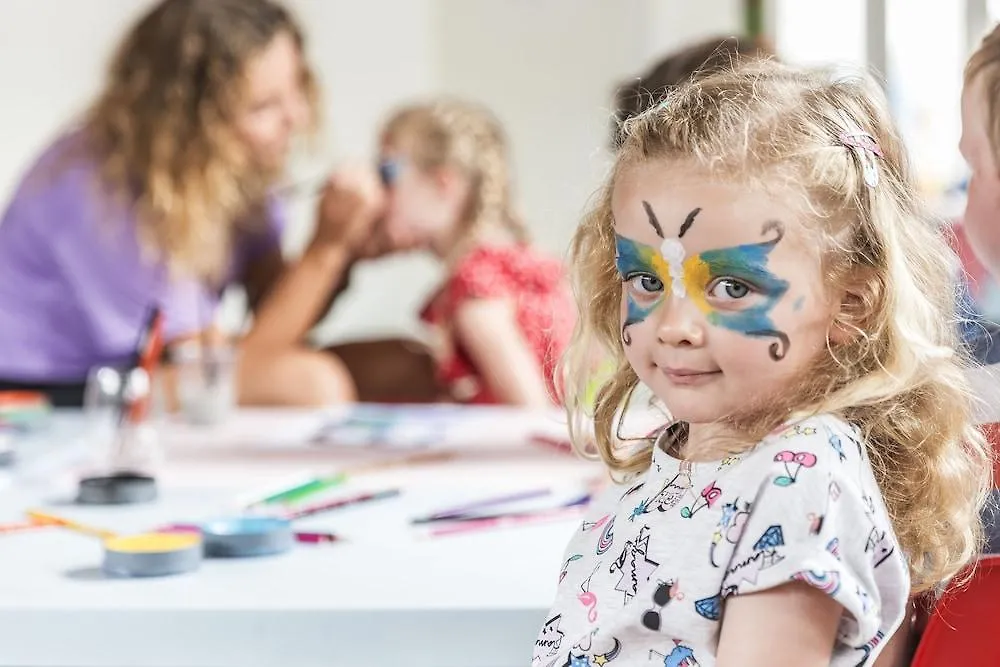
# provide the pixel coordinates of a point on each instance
(792, 625)
(899, 649)
(487, 330)
(816, 521)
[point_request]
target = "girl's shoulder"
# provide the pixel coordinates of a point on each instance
(824, 440)
(806, 457)
(496, 269)
(813, 513)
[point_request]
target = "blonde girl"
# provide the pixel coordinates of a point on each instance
(760, 260)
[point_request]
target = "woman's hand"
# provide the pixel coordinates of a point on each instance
(353, 200)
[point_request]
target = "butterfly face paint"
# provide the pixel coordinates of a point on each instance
(739, 271)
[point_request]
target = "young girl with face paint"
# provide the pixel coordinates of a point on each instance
(504, 313)
(760, 261)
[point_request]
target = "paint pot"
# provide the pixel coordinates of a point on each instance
(152, 554)
(244, 537)
(122, 488)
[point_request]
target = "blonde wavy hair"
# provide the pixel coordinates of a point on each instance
(900, 377)
(466, 136)
(163, 127)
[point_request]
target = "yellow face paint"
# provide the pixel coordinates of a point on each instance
(745, 264)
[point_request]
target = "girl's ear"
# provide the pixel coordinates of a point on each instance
(855, 306)
(450, 182)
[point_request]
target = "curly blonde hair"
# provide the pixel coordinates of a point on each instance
(899, 377)
(463, 135)
(163, 127)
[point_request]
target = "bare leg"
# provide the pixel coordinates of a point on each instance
(293, 377)
(393, 370)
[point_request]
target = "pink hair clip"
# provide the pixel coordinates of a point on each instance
(864, 146)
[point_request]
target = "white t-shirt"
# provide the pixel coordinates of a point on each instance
(646, 575)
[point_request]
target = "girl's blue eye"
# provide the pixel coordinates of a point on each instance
(645, 283)
(729, 289)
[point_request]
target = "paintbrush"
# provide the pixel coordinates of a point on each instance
(341, 503)
(45, 518)
(306, 187)
(23, 526)
(508, 521)
(388, 172)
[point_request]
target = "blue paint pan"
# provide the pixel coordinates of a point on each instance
(247, 537)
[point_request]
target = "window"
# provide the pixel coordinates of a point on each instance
(812, 33)
(920, 44)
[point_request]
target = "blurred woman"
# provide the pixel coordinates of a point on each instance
(163, 195)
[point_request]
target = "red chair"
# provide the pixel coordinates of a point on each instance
(962, 630)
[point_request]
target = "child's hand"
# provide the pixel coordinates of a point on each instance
(353, 200)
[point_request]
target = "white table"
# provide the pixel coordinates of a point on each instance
(385, 596)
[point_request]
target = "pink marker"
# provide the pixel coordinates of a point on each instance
(315, 538)
(508, 521)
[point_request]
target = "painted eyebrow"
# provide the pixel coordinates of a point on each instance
(688, 221)
(654, 222)
(651, 217)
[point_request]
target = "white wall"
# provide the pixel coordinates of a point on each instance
(367, 63)
(52, 60)
(555, 103)
(547, 67)
(672, 25)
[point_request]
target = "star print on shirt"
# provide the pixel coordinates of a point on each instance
(634, 565)
(551, 636)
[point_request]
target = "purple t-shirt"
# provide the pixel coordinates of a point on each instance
(74, 283)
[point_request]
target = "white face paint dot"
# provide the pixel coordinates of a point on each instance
(673, 253)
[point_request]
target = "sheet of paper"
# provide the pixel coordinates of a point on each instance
(432, 426)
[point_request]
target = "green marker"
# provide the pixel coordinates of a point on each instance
(304, 490)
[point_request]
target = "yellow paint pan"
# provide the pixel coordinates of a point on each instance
(152, 554)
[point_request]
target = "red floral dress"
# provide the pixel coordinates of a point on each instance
(536, 285)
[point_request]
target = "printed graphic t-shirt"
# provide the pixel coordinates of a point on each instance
(646, 575)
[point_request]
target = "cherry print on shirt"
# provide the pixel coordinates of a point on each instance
(706, 498)
(793, 462)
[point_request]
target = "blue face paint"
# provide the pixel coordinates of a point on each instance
(388, 171)
(637, 260)
(748, 265)
(745, 265)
